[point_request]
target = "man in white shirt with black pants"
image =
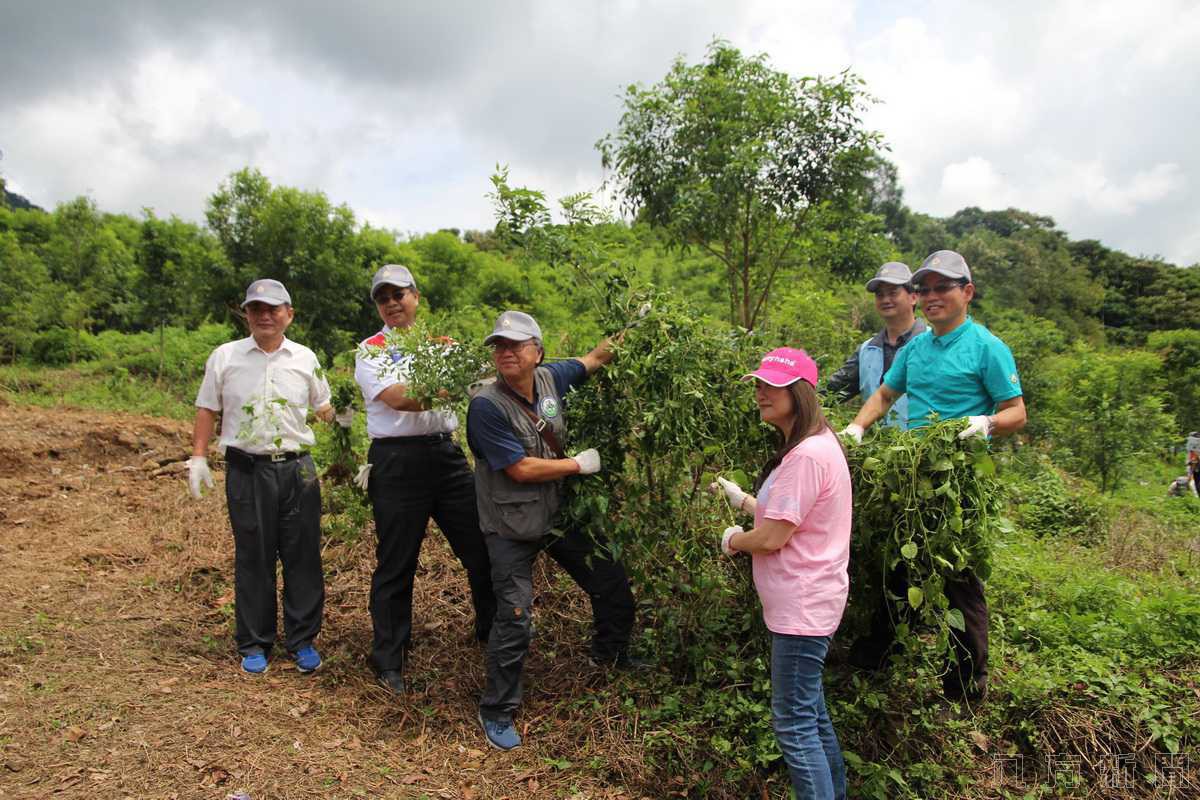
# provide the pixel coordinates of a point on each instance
(263, 387)
(416, 471)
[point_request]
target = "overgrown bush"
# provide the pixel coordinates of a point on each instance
(59, 346)
(172, 355)
(1048, 503)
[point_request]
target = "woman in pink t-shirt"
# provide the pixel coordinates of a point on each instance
(801, 547)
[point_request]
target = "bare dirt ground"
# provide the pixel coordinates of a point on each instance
(119, 677)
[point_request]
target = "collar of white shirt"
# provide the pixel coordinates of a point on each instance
(286, 344)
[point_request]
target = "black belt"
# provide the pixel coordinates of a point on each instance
(232, 454)
(431, 438)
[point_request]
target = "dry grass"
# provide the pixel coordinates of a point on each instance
(119, 677)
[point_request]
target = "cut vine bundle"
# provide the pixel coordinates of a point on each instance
(927, 503)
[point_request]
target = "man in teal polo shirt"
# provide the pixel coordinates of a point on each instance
(958, 369)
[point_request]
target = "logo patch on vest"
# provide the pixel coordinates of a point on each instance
(549, 407)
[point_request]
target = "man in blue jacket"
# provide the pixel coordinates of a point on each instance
(863, 372)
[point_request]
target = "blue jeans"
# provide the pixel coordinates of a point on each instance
(801, 720)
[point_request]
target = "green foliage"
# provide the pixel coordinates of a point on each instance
(928, 501)
(1046, 503)
(174, 355)
(1105, 409)
(1034, 341)
(337, 456)
(436, 370)
(1021, 262)
(301, 239)
(818, 319)
(59, 346)
(731, 156)
(1180, 352)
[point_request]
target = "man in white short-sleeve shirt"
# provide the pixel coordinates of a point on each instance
(263, 387)
(416, 471)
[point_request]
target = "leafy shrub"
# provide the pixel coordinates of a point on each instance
(1106, 409)
(59, 346)
(1049, 504)
(174, 355)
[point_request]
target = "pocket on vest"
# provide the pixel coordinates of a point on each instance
(522, 514)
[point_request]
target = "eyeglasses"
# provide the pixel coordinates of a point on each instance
(509, 344)
(385, 297)
(941, 288)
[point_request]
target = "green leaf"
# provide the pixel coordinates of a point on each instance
(915, 597)
(984, 465)
(954, 618)
(741, 479)
(872, 464)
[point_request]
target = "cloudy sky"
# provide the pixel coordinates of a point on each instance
(1079, 109)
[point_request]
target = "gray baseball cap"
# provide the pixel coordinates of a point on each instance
(392, 275)
(893, 272)
(944, 262)
(515, 325)
(266, 290)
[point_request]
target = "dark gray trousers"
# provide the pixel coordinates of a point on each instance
(275, 511)
(604, 580)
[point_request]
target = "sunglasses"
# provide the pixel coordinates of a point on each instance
(384, 297)
(941, 288)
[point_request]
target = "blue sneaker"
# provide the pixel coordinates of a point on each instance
(500, 733)
(255, 663)
(307, 659)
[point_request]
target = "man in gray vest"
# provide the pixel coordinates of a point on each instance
(514, 428)
(864, 370)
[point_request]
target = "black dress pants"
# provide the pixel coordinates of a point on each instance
(603, 579)
(412, 479)
(275, 512)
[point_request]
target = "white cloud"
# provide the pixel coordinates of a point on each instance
(1083, 110)
(972, 182)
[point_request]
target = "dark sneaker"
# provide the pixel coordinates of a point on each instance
(500, 733)
(392, 679)
(254, 663)
(307, 659)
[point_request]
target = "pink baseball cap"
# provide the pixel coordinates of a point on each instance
(783, 366)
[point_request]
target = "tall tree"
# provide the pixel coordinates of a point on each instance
(732, 156)
(301, 239)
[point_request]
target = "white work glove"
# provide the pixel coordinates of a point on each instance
(980, 426)
(199, 475)
(726, 536)
(854, 431)
(363, 476)
(733, 492)
(588, 461)
(639, 315)
(345, 417)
